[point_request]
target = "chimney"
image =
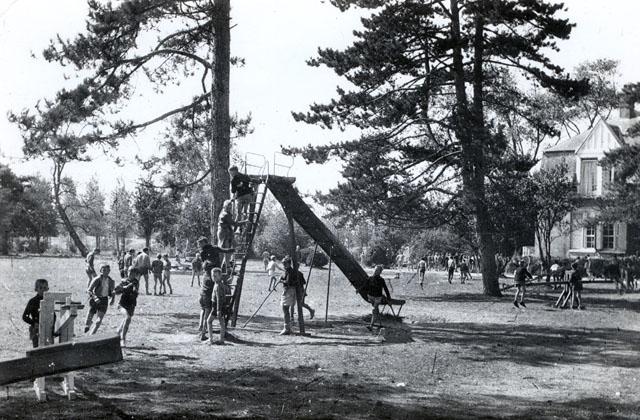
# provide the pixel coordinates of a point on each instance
(627, 109)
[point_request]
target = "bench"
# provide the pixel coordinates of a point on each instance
(390, 303)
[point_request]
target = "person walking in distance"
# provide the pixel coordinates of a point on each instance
(90, 270)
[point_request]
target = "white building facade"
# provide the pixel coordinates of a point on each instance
(578, 235)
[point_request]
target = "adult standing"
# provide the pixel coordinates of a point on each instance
(242, 192)
(142, 264)
(90, 269)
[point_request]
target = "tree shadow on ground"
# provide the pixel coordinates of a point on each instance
(536, 345)
(137, 389)
(614, 300)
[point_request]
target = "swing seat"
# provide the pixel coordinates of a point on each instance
(390, 303)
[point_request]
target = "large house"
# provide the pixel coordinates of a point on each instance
(582, 154)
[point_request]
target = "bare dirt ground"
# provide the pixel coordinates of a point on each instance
(456, 354)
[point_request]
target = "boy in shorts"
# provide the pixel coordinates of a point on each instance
(301, 295)
(218, 297)
(271, 271)
(90, 270)
(375, 286)
(31, 313)
(100, 289)
(242, 193)
(520, 277)
(451, 268)
(156, 268)
(422, 268)
(166, 276)
(226, 226)
(128, 289)
(196, 268)
(205, 298)
(288, 299)
(575, 281)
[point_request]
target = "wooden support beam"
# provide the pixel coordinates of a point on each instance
(82, 353)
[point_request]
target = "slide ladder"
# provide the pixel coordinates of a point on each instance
(243, 243)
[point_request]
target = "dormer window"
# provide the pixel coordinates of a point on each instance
(588, 176)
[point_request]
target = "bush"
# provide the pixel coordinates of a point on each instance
(319, 260)
(377, 255)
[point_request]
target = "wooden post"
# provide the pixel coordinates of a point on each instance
(295, 265)
(45, 333)
(68, 312)
(313, 257)
(326, 307)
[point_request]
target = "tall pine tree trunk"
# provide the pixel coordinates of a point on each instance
(57, 176)
(220, 121)
(471, 132)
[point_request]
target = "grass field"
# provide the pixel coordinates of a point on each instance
(456, 353)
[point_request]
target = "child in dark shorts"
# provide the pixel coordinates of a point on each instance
(218, 296)
(100, 289)
(128, 289)
(157, 266)
(575, 281)
(205, 298)
(520, 278)
(31, 313)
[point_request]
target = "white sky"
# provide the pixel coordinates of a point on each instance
(275, 38)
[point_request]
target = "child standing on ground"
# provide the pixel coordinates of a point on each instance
(451, 268)
(156, 268)
(91, 272)
(100, 289)
(575, 281)
(205, 298)
(265, 259)
(128, 289)
(422, 269)
(520, 278)
(196, 268)
(31, 314)
(464, 272)
(301, 294)
(271, 271)
(217, 306)
(166, 275)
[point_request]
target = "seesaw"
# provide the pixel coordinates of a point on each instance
(69, 354)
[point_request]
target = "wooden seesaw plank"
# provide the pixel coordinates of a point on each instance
(78, 354)
(557, 283)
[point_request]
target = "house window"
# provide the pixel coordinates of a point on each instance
(590, 237)
(608, 236)
(588, 180)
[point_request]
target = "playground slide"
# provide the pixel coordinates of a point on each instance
(283, 190)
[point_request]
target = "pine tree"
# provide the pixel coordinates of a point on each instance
(162, 42)
(426, 78)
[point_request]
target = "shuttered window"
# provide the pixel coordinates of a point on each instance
(590, 237)
(608, 236)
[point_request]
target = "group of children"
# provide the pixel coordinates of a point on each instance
(573, 289)
(452, 262)
(160, 267)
